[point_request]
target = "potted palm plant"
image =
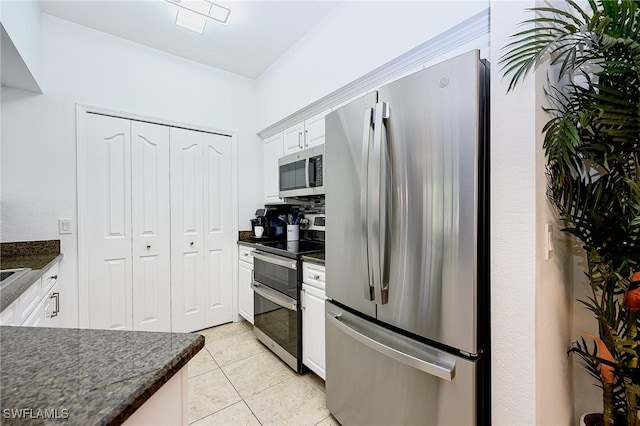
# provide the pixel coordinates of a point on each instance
(592, 149)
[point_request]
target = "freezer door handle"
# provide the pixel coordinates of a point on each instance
(364, 207)
(441, 371)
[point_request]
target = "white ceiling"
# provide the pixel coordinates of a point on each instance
(256, 35)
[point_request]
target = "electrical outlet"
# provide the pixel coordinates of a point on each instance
(64, 226)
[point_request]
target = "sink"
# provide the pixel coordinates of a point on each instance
(7, 276)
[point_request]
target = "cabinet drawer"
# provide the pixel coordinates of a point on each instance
(10, 315)
(29, 299)
(36, 317)
(313, 275)
(49, 278)
(245, 254)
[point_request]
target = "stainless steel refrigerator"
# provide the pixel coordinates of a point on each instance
(406, 181)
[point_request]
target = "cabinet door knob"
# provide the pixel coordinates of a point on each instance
(191, 243)
(148, 246)
(246, 254)
(316, 277)
(54, 277)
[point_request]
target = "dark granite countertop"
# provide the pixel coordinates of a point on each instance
(314, 258)
(244, 239)
(38, 256)
(98, 377)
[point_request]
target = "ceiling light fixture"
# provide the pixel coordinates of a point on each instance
(194, 14)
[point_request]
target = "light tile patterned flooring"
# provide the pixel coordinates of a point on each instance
(235, 380)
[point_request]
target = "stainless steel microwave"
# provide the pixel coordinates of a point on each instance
(302, 174)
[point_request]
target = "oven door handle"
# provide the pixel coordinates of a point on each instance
(276, 260)
(274, 296)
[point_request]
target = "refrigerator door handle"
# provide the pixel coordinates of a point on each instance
(364, 206)
(378, 228)
(443, 372)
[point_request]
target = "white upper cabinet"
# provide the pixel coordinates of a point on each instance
(305, 135)
(314, 130)
(293, 139)
(272, 153)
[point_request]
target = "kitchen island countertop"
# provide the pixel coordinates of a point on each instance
(97, 377)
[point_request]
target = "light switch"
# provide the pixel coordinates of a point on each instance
(64, 226)
(548, 249)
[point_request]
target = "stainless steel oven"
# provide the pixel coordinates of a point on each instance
(277, 319)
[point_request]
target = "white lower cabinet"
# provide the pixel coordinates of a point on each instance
(313, 338)
(10, 315)
(52, 308)
(245, 277)
(36, 317)
(40, 305)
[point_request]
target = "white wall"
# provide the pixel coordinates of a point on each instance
(554, 290)
(81, 65)
(513, 251)
(355, 38)
(531, 297)
(21, 20)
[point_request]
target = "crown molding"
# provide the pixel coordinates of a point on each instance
(462, 33)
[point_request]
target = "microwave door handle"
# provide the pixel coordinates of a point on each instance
(307, 170)
(364, 200)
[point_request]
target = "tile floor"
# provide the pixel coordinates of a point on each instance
(235, 380)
